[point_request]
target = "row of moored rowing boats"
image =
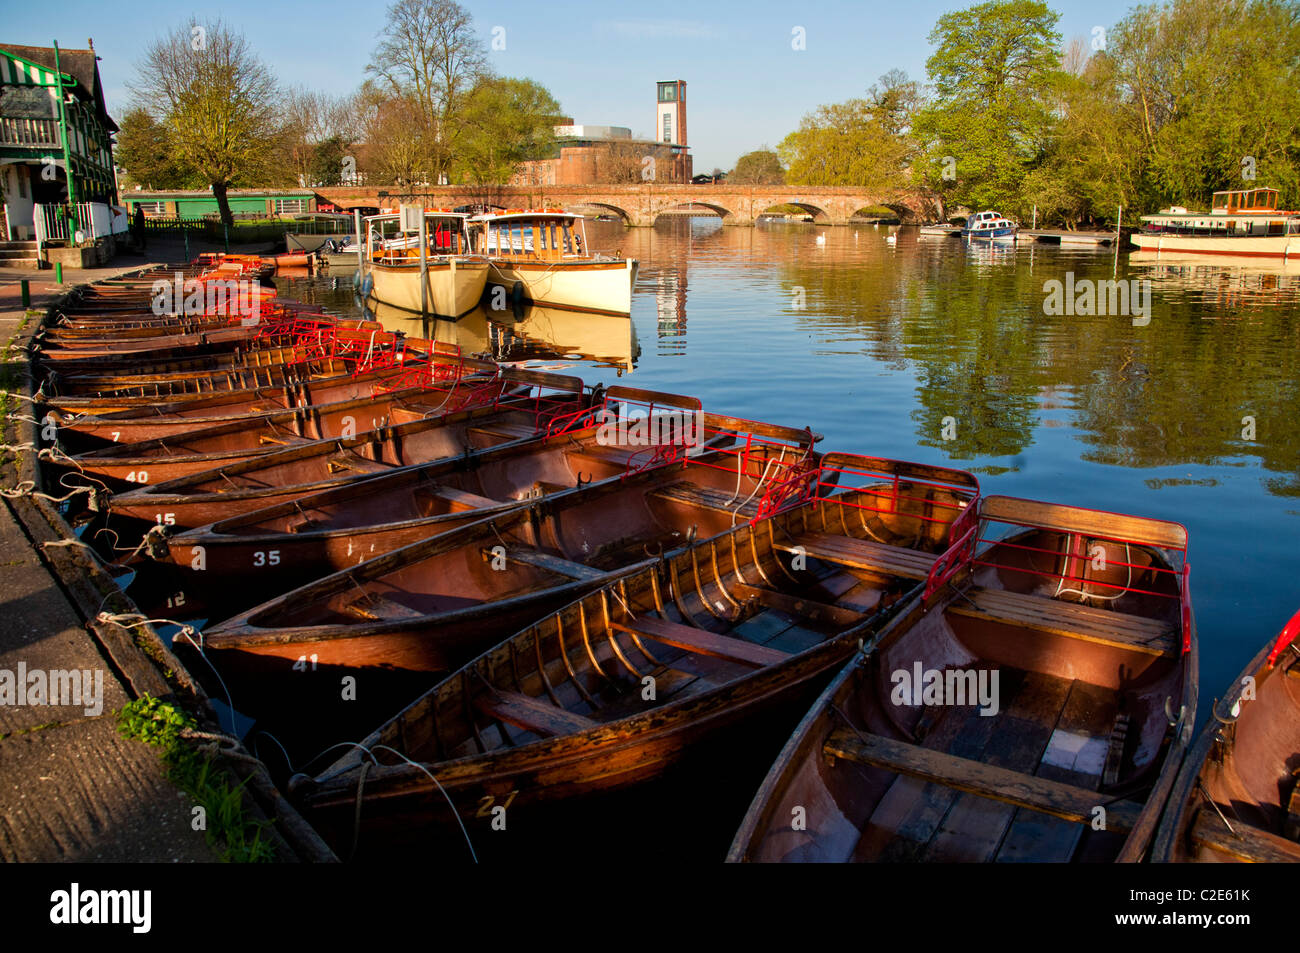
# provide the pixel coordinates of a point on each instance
(454, 591)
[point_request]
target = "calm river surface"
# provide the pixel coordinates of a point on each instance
(873, 343)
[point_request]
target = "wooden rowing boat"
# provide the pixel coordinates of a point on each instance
(444, 586)
(637, 676)
(1237, 797)
(1016, 712)
(329, 530)
(81, 427)
(222, 445)
(472, 418)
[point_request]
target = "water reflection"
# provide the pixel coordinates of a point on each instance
(533, 334)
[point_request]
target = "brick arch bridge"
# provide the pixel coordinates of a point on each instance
(641, 205)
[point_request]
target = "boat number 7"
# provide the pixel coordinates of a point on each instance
(485, 803)
(269, 557)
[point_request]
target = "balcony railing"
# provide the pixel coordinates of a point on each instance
(29, 132)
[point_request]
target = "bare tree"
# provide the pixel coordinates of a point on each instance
(622, 163)
(430, 56)
(396, 151)
(217, 99)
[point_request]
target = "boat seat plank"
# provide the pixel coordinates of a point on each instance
(609, 454)
(706, 498)
(553, 564)
(1247, 843)
(703, 642)
(504, 428)
(913, 810)
(796, 606)
(532, 714)
(1015, 740)
(356, 463)
(1033, 837)
(1000, 784)
(373, 606)
(1120, 629)
(864, 554)
(459, 499)
(1074, 519)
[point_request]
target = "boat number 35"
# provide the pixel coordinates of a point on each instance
(486, 803)
(266, 557)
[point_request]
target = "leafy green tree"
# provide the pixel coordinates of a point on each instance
(327, 162)
(760, 167)
(994, 70)
(218, 103)
(144, 149)
(504, 122)
(863, 141)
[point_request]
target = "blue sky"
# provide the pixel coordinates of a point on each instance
(746, 86)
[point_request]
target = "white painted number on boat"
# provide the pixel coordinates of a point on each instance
(270, 557)
(176, 601)
(138, 476)
(301, 664)
(116, 434)
(165, 519)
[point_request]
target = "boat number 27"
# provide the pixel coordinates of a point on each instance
(486, 802)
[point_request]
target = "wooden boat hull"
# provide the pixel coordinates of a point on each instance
(453, 286)
(877, 773)
(643, 738)
(173, 418)
(222, 445)
(1236, 799)
(289, 474)
(586, 285)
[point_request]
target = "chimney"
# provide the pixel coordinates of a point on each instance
(91, 44)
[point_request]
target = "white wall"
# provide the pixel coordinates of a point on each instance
(18, 200)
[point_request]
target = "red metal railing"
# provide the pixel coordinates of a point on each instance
(664, 429)
(973, 547)
(1289, 633)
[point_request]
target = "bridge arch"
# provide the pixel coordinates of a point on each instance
(883, 211)
(697, 206)
(819, 215)
(599, 208)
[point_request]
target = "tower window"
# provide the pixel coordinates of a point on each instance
(668, 127)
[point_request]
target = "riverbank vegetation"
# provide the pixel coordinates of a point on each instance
(1177, 100)
(206, 112)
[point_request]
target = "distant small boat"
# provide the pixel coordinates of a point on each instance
(943, 231)
(989, 226)
(1237, 798)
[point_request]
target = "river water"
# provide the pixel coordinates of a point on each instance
(921, 349)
